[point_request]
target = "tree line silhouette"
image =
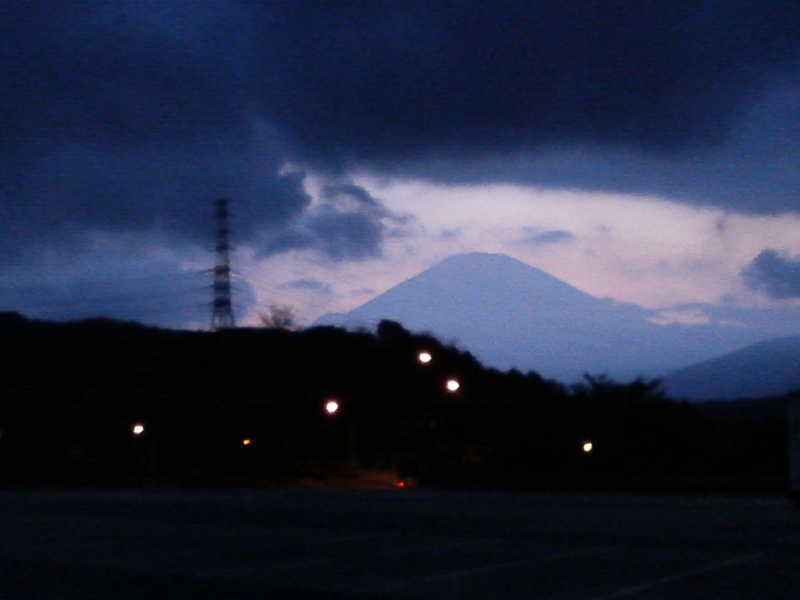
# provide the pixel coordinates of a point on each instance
(246, 407)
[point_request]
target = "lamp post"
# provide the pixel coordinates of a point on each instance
(147, 447)
(332, 408)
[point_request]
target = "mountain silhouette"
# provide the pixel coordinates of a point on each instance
(768, 368)
(512, 315)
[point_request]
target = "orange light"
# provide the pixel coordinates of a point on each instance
(401, 484)
(245, 442)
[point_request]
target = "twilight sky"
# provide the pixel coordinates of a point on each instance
(646, 151)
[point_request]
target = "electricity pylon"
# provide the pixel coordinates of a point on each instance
(222, 315)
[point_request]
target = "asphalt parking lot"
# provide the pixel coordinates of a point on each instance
(301, 544)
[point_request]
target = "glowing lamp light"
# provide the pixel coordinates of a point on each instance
(246, 442)
(424, 357)
(138, 429)
(452, 385)
(331, 407)
(588, 447)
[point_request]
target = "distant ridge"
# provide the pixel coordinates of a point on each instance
(512, 315)
(769, 368)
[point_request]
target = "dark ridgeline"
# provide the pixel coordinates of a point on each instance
(70, 394)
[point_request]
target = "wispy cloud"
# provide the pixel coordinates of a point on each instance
(308, 284)
(535, 237)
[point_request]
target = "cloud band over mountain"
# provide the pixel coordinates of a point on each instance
(118, 112)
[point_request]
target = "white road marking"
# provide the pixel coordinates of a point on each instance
(635, 590)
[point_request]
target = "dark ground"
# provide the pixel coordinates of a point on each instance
(293, 545)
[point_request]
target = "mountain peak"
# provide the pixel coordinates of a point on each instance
(509, 314)
(490, 262)
(477, 258)
(481, 279)
(512, 315)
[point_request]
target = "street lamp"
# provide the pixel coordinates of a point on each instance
(452, 385)
(146, 450)
(424, 357)
(332, 408)
(588, 447)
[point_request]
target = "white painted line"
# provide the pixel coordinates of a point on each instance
(465, 573)
(635, 590)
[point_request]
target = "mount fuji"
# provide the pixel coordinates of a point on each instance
(511, 315)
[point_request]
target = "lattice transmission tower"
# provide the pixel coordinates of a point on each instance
(222, 315)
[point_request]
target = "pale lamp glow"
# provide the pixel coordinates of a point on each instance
(331, 407)
(452, 385)
(424, 357)
(138, 429)
(588, 447)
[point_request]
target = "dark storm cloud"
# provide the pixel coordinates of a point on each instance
(755, 169)
(118, 72)
(349, 224)
(338, 235)
(372, 80)
(132, 116)
(776, 275)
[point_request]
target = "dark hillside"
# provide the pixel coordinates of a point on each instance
(245, 406)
